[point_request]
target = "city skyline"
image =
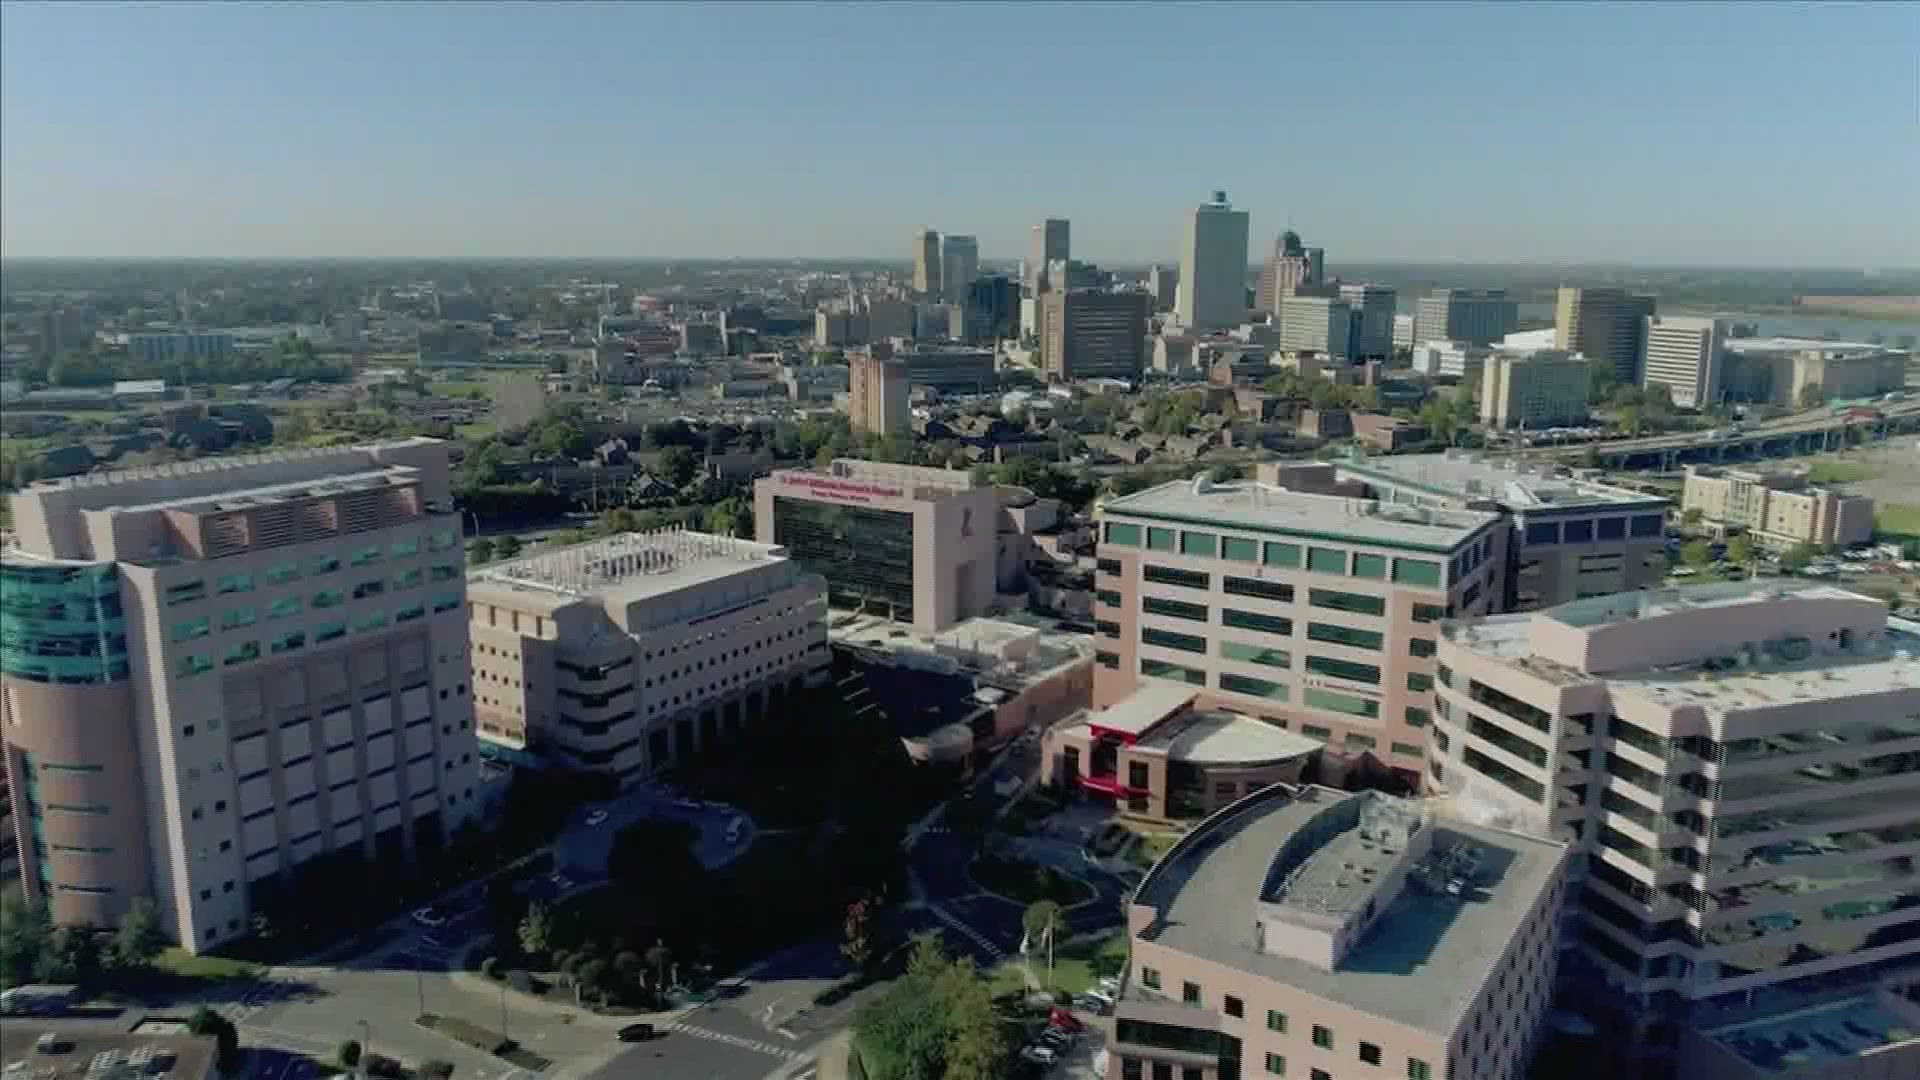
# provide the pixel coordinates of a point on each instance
(395, 131)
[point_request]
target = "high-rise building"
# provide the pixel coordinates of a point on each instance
(1604, 325)
(1538, 389)
(633, 653)
(1049, 243)
(1474, 316)
(1683, 353)
(877, 392)
(1779, 509)
(1213, 266)
(1404, 336)
(992, 309)
(1371, 308)
(1735, 765)
(1164, 283)
(1315, 611)
(1292, 266)
(926, 264)
(1320, 324)
(218, 679)
(959, 265)
(1086, 334)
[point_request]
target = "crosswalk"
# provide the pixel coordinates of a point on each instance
(756, 1045)
(953, 921)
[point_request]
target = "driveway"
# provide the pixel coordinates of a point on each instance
(582, 849)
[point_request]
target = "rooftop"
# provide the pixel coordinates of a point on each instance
(1265, 508)
(1224, 738)
(1799, 344)
(247, 498)
(1007, 651)
(101, 1053)
(1139, 711)
(1419, 962)
(1513, 484)
(1816, 1036)
(626, 567)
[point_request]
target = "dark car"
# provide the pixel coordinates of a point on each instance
(637, 1033)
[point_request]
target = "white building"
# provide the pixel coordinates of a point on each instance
(1683, 354)
(1545, 388)
(1450, 360)
(1213, 267)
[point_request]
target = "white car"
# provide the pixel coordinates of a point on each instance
(1039, 1055)
(597, 817)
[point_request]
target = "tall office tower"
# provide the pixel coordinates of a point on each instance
(1541, 389)
(1048, 243)
(1291, 266)
(1604, 325)
(926, 264)
(1682, 353)
(1473, 316)
(1213, 266)
(1164, 283)
(1086, 334)
(1320, 324)
(1315, 611)
(1372, 309)
(877, 392)
(959, 265)
(992, 309)
(1736, 767)
(633, 653)
(220, 680)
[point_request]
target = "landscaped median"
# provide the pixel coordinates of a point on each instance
(485, 1040)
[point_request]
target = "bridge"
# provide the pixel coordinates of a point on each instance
(1788, 436)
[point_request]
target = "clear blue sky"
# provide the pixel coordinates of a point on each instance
(1768, 133)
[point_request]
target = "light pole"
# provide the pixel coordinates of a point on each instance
(366, 1046)
(503, 1011)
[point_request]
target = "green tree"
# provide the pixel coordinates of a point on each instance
(349, 1054)
(1691, 517)
(563, 439)
(73, 955)
(1797, 557)
(1696, 553)
(858, 944)
(24, 934)
(205, 1021)
(139, 939)
(535, 931)
(936, 1021)
(508, 546)
(591, 978)
(677, 465)
(480, 552)
(1740, 550)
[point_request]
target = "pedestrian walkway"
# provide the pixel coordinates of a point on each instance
(953, 921)
(756, 1045)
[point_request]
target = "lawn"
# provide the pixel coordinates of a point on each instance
(1151, 846)
(1839, 472)
(1024, 882)
(1898, 520)
(1076, 967)
(177, 962)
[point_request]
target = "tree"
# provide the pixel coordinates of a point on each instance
(658, 957)
(591, 978)
(1696, 553)
(858, 946)
(350, 1054)
(1740, 550)
(507, 546)
(1812, 396)
(480, 551)
(1797, 557)
(205, 1021)
(937, 1020)
(1040, 920)
(139, 938)
(24, 932)
(677, 465)
(535, 930)
(1691, 517)
(73, 955)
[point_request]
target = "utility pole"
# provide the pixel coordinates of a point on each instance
(420, 988)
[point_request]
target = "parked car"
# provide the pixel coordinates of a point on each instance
(637, 1033)
(1039, 1055)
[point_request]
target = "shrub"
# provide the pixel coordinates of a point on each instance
(436, 1069)
(490, 967)
(385, 1067)
(350, 1054)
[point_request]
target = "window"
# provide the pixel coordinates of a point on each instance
(1335, 634)
(192, 628)
(1190, 993)
(1369, 1053)
(324, 564)
(1255, 654)
(1199, 543)
(1418, 717)
(329, 631)
(1235, 1007)
(1240, 550)
(283, 573)
(1110, 661)
(1315, 731)
(192, 665)
(1418, 1070)
(1267, 590)
(1175, 609)
(364, 556)
(237, 617)
(1167, 639)
(1427, 613)
(1543, 532)
(1159, 539)
(442, 573)
(288, 642)
(1421, 647)
(1344, 703)
(1276, 1065)
(409, 579)
(1531, 790)
(1647, 524)
(1106, 628)
(372, 587)
(1108, 566)
(372, 620)
(243, 652)
(1357, 741)
(1326, 560)
(1107, 597)
(1417, 572)
(327, 598)
(1370, 566)
(1167, 575)
(1358, 603)
(408, 614)
(1322, 1037)
(1123, 535)
(1612, 528)
(1320, 1074)
(1248, 620)
(1150, 978)
(233, 583)
(1408, 750)
(406, 547)
(186, 592)
(1578, 532)
(1343, 669)
(1419, 682)
(445, 601)
(1277, 554)
(284, 608)
(1242, 684)
(1276, 1021)
(441, 540)
(1160, 669)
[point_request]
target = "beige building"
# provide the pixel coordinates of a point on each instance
(1313, 933)
(220, 679)
(1213, 267)
(632, 653)
(1315, 612)
(1604, 325)
(1779, 508)
(1534, 390)
(1047, 243)
(1683, 354)
(926, 263)
(1470, 316)
(1736, 766)
(878, 393)
(914, 543)
(1292, 266)
(1788, 371)
(1086, 334)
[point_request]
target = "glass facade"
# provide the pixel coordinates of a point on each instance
(62, 624)
(865, 555)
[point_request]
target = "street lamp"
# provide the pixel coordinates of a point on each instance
(366, 1046)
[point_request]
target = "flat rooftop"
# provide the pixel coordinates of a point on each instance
(624, 568)
(1139, 711)
(83, 1051)
(1224, 738)
(1653, 603)
(1815, 1037)
(1800, 344)
(1514, 485)
(1420, 962)
(247, 498)
(1265, 508)
(1009, 651)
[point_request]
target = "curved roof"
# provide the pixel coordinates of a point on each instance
(1221, 738)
